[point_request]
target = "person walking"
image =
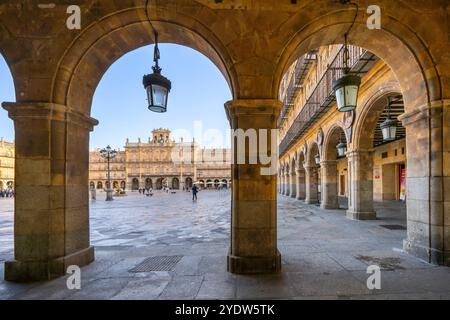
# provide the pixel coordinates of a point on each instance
(194, 192)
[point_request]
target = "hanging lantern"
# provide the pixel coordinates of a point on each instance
(346, 88)
(156, 85)
(341, 149)
(389, 129)
(317, 159)
(389, 126)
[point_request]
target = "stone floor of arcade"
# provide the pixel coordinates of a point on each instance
(324, 254)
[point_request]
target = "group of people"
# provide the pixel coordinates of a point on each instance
(149, 191)
(146, 192)
(7, 193)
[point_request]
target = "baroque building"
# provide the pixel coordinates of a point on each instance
(6, 164)
(161, 162)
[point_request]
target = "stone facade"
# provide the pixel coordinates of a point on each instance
(253, 43)
(6, 165)
(156, 164)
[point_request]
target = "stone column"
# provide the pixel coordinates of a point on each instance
(360, 171)
(254, 197)
(329, 185)
(312, 181)
(301, 184)
(283, 185)
(288, 184)
(293, 183)
(428, 182)
(51, 223)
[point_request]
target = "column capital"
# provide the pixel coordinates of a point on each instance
(252, 107)
(48, 111)
(426, 111)
(358, 153)
(326, 163)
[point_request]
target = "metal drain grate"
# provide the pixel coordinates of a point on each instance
(157, 264)
(393, 227)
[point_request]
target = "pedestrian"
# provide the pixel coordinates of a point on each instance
(194, 192)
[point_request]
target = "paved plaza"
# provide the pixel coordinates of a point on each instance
(325, 255)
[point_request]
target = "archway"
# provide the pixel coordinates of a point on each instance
(116, 185)
(301, 177)
(312, 174)
(123, 185)
(188, 183)
(334, 169)
(387, 158)
(421, 85)
(92, 185)
(224, 183)
(293, 178)
(135, 184)
(175, 184)
(99, 185)
(148, 183)
(159, 183)
(7, 163)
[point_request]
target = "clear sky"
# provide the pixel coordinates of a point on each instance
(199, 92)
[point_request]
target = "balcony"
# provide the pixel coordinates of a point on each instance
(322, 97)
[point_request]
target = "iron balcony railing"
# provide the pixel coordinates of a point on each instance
(322, 98)
(296, 80)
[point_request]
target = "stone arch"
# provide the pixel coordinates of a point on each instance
(135, 184)
(175, 184)
(99, 45)
(396, 43)
(331, 140)
(329, 174)
(371, 109)
(313, 149)
(148, 183)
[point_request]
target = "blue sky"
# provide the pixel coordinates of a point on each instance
(199, 92)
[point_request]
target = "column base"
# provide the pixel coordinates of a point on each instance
(312, 201)
(30, 271)
(361, 215)
(329, 206)
(433, 256)
(254, 265)
(109, 195)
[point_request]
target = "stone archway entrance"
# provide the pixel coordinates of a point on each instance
(159, 183)
(135, 184)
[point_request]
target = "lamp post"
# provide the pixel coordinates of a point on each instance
(108, 153)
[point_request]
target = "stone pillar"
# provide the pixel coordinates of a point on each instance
(287, 190)
(428, 182)
(312, 181)
(254, 197)
(283, 184)
(293, 183)
(360, 171)
(51, 223)
(301, 184)
(329, 185)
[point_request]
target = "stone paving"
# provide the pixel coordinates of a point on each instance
(325, 256)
